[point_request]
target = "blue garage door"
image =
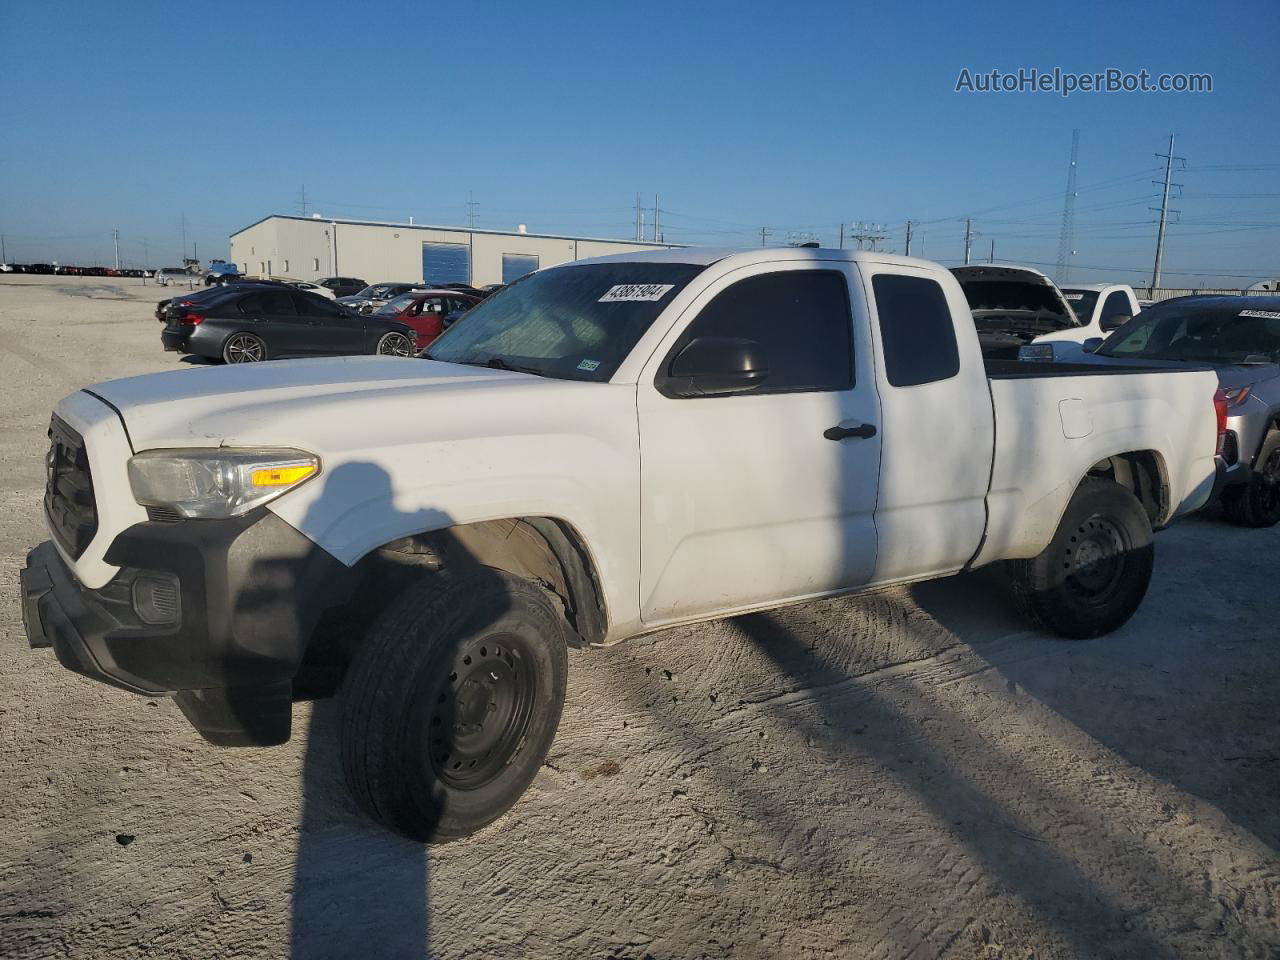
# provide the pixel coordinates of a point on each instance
(516, 265)
(446, 263)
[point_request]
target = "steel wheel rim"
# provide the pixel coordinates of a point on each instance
(481, 715)
(244, 349)
(1095, 560)
(395, 345)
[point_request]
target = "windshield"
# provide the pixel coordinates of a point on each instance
(393, 307)
(377, 291)
(571, 323)
(1205, 334)
(1081, 302)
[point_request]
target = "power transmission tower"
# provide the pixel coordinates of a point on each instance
(115, 239)
(908, 247)
(968, 239)
(302, 200)
(1164, 209)
(472, 207)
(868, 233)
(1067, 236)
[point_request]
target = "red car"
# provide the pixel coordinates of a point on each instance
(429, 312)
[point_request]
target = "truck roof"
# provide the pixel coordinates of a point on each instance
(705, 256)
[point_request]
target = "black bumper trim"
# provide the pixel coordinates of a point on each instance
(252, 591)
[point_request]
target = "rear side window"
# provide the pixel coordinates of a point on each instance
(916, 330)
(800, 317)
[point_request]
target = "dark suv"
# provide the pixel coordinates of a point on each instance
(341, 286)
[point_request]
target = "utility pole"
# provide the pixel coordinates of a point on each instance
(992, 258)
(656, 218)
(302, 200)
(637, 218)
(115, 239)
(908, 248)
(842, 236)
(184, 237)
(764, 236)
(472, 206)
(1067, 235)
(3, 257)
(1164, 210)
(968, 239)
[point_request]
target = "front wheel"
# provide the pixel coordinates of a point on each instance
(452, 702)
(394, 345)
(1257, 503)
(1094, 574)
(244, 348)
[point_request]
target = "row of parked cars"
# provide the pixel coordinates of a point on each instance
(247, 321)
(71, 270)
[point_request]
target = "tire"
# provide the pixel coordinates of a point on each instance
(243, 348)
(1093, 575)
(420, 755)
(394, 344)
(1257, 503)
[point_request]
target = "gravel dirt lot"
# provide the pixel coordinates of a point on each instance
(911, 773)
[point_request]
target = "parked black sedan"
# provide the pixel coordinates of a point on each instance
(244, 324)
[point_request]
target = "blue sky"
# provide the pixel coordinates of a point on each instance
(794, 117)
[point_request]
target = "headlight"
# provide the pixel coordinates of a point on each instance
(217, 482)
(1036, 351)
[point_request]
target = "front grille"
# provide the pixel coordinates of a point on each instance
(68, 496)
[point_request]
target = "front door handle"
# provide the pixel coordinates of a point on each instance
(859, 431)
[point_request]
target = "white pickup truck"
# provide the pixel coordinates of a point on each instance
(602, 449)
(1020, 313)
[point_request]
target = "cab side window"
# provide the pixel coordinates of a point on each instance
(801, 320)
(916, 330)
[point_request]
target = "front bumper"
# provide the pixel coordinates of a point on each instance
(246, 596)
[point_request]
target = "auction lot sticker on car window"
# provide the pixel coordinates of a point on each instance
(1261, 314)
(634, 292)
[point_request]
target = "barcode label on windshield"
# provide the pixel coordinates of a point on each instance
(1261, 314)
(633, 292)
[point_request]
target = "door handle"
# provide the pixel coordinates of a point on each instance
(859, 431)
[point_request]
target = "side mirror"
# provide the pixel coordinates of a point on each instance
(715, 366)
(1092, 344)
(1115, 320)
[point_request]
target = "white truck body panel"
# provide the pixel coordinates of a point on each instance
(1091, 325)
(688, 508)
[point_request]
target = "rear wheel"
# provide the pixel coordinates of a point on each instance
(1257, 502)
(394, 345)
(1095, 572)
(452, 702)
(244, 348)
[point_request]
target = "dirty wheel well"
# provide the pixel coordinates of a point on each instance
(543, 550)
(1142, 473)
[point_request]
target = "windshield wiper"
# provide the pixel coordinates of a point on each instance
(498, 363)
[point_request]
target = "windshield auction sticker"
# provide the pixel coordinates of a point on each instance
(1261, 314)
(636, 292)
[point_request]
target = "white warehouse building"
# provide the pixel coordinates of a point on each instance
(308, 248)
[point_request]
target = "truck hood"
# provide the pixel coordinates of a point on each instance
(286, 403)
(1011, 304)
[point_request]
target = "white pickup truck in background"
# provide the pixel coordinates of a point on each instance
(602, 449)
(1020, 312)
